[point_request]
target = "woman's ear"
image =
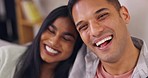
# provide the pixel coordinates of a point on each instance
(124, 14)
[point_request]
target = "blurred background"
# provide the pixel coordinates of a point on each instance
(21, 19)
(138, 10)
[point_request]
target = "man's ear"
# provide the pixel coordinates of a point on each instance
(124, 14)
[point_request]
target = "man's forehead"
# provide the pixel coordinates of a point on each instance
(83, 8)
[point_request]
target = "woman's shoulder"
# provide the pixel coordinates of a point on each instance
(12, 51)
(8, 59)
(13, 47)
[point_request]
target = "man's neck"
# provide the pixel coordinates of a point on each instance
(127, 62)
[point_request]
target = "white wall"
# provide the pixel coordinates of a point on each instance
(46, 6)
(138, 10)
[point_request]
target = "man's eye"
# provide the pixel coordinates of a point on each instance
(82, 27)
(102, 16)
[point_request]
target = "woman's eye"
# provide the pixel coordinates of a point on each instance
(51, 29)
(68, 38)
(102, 16)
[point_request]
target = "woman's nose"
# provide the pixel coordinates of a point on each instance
(55, 41)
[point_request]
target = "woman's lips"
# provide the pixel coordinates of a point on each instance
(51, 51)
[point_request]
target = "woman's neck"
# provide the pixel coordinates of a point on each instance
(47, 70)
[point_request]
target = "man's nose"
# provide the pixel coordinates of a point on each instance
(95, 28)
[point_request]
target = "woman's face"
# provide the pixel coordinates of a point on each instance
(57, 42)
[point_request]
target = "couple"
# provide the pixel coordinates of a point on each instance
(102, 24)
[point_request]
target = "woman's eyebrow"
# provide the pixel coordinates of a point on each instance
(54, 27)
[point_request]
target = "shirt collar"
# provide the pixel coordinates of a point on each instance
(142, 64)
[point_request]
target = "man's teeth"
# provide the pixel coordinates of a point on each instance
(51, 50)
(103, 40)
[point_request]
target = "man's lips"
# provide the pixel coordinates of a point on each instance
(103, 41)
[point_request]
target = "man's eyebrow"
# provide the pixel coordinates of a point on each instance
(100, 10)
(78, 23)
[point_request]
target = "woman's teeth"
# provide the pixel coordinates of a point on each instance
(50, 50)
(103, 40)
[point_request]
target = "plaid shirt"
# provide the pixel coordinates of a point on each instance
(86, 63)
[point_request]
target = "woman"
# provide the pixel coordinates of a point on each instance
(53, 51)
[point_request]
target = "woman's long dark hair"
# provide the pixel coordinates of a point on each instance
(29, 64)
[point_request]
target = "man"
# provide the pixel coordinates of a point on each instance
(111, 52)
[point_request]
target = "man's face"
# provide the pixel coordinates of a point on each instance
(102, 28)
